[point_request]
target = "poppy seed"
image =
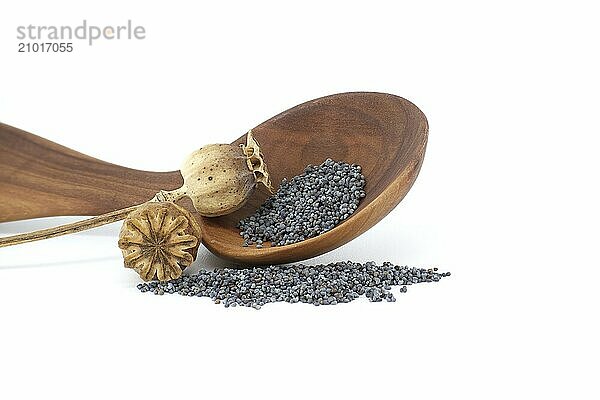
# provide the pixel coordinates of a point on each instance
(330, 284)
(308, 205)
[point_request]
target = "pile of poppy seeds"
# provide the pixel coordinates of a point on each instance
(306, 206)
(330, 284)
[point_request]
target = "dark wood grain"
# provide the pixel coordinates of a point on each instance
(385, 134)
(39, 178)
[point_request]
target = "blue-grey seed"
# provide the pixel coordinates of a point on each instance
(331, 284)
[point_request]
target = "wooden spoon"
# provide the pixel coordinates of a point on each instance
(383, 133)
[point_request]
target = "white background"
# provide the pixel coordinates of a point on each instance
(506, 201)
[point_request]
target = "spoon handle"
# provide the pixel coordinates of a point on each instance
(39, 178)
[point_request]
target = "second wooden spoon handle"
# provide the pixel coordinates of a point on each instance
(39, 178)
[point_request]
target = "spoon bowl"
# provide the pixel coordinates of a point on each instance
(385, 134)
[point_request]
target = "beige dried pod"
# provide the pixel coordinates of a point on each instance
(219, 178)
(159, 240)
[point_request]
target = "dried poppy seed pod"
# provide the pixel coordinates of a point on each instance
(219, 178)
(159, 240)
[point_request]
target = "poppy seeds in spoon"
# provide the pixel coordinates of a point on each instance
(306, 206)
